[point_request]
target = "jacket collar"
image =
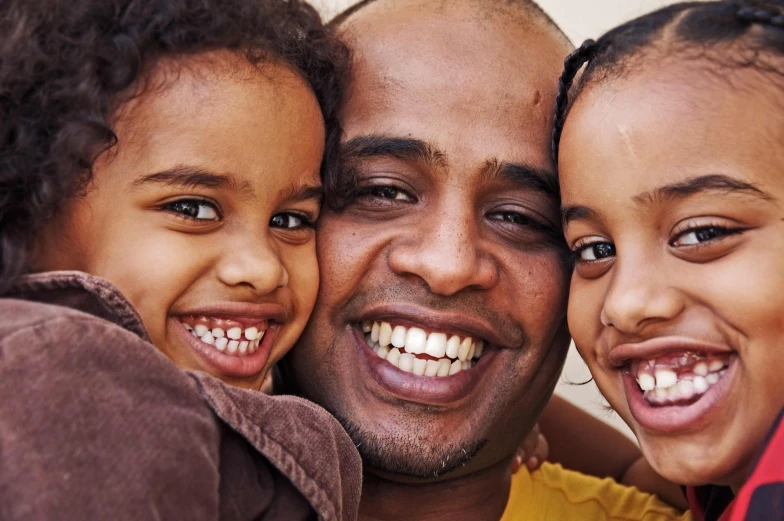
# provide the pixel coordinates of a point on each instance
(83, 292)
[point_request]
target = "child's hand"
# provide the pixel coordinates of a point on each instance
(533, 452)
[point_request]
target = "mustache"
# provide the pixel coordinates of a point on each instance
(466, 302)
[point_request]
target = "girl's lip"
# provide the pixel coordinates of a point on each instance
(233, 366)
(239, 311)
(672, 419)
(620, 355)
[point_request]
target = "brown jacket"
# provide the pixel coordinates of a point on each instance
(96, 424)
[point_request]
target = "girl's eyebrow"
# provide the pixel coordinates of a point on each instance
(718, 183)
(190, 177)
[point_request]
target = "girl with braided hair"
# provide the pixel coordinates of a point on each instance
(669, 141)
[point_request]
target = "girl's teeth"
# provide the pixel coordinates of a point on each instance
(666, 378)
(419, 366)
(667, 386)
(229, 341)
(456, 367)
(646, 382)
(220, 344)
(201, 330)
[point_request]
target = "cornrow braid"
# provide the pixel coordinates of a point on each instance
(763, 16)
(694, 26)
(572, 65)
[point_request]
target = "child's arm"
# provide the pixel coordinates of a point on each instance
(579, 441)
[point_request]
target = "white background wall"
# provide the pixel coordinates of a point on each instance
(580, 19)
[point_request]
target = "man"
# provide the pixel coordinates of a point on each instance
(440, 328)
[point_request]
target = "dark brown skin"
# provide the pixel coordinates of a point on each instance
(216, 113)
(449, 237)
(670, 124)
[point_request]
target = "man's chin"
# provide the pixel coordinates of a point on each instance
(409, 458)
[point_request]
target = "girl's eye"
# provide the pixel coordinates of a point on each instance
(700, 235)
(195, 209)
(388, 192)
(595, 251)
(289, 221)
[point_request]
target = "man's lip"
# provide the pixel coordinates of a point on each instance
(620, 355)
(243, 312)
(425, 390)
(451, 323)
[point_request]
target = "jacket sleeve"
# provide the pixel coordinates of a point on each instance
(96, 424)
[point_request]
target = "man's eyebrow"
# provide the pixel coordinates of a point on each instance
(527, 176)
(395, 147)
(185, 176)
(705, 183)
(577, 213)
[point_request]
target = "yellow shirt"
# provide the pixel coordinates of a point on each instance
(555, 494)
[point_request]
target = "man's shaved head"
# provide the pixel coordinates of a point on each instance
(528, 8)
(449, 225)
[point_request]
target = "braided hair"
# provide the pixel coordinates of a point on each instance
(688, 25)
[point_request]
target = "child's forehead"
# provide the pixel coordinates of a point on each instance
(252, 125)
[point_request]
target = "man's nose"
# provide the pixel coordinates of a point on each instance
(640, 295)
(253, 262)
(445, 250)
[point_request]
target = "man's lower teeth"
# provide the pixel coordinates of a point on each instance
(399, 346)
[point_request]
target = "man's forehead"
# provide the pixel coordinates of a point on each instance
(453, 81)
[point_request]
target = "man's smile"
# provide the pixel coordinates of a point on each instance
(414, 350)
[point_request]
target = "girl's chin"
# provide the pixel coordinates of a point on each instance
(696, 462)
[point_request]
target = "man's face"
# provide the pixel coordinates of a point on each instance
(453, 231)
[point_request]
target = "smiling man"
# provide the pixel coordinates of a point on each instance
(439, 331)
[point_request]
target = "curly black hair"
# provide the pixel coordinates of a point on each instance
(64, 65)
(679, 28)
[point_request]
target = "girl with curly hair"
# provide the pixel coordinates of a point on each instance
(669, 150)
(161, 164)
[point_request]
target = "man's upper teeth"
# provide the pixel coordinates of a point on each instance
(690, 377)
(399, 346)
(233, 340)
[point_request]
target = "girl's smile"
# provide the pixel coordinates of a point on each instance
(202, 215)
(674, 217)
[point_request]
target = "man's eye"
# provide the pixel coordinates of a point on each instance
(388, 192)
(194, 209)
(513, 217)
(289, 221)
(700, 235)
(595, 251)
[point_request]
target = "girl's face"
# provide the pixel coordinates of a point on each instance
(673, 192)
(202, 214)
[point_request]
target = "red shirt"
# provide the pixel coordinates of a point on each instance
(762, 496)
